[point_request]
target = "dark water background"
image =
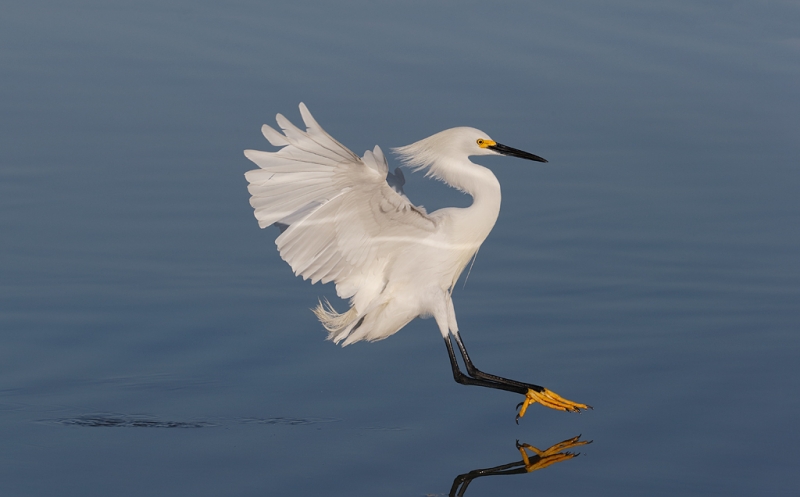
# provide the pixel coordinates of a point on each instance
(153, 343)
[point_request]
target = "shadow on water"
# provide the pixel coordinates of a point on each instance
(528, 464)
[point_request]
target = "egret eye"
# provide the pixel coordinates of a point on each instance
(480, 141)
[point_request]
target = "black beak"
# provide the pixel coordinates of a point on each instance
(513, 152)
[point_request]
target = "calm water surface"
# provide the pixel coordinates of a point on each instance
(152, 342)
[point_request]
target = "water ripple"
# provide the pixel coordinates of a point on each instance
(287, 421)
(125, 421)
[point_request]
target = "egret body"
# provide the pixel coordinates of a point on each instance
(345, 219)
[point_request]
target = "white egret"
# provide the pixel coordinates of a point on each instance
(345, 219)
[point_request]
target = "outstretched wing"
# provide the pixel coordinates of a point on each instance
(342, 220)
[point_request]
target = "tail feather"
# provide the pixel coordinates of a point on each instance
(338, 325)
(376, 323)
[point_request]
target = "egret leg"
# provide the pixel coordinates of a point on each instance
(469, 380)
(533, 393)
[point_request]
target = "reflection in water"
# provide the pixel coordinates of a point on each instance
(529, 463)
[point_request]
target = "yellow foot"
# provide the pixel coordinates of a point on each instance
(554, 454)
(549, 399)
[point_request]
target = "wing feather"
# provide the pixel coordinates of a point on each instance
(344, 220)
(316, 133)
(275, 139)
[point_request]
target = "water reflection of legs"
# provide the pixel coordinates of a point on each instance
(540, 460)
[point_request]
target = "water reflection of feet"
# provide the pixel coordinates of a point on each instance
(539, 459)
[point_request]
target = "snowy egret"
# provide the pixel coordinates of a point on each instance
(345, 219)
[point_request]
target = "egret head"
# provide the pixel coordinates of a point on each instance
(457, 143)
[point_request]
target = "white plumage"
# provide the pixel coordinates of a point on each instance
(343, 222)
(347, 225)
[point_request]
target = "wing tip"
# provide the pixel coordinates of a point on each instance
(308, 119)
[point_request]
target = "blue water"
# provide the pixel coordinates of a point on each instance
(152, 342)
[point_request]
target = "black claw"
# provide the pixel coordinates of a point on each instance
(520, 404)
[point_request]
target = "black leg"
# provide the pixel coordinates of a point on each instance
(533, 393)
(481, 382)
(476, 373)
